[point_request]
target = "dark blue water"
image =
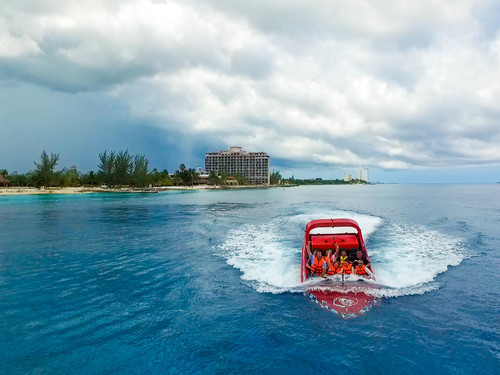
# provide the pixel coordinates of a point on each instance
(208, 282)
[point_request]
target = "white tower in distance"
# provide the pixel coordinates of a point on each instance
(363, 174)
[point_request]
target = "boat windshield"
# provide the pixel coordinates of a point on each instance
(334, 230)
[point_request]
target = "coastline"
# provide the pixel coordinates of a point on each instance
(9, 191)
(13, 191)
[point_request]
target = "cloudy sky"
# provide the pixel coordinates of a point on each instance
(409, 89)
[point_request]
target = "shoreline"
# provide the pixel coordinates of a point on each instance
(13, 191)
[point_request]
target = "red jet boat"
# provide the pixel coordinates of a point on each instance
(341, 295)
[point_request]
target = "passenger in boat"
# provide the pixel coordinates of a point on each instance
(362, 270)
(361, 258)
(310, 259)
(330, 259)
(344, 257)
(346, 266)
(335, 268)
(352, 253)
(309, 251)
(310, 254)
(318, 264)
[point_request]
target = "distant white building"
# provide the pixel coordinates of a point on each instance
(347, 177)
(363, 174)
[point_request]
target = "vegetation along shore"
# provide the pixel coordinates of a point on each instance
(123, 172)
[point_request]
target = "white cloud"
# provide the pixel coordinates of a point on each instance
(15, 46)
(381, 84)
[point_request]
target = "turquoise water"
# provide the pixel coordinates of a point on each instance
(209, 282)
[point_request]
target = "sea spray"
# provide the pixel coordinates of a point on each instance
(413, 255)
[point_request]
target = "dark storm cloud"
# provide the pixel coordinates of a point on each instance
(374, 83)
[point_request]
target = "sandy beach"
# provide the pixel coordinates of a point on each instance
(88, 190)
(44, 191)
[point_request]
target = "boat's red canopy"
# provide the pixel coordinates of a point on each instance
(331, 223)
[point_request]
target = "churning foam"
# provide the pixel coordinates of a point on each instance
(407, 262)
(263, 256)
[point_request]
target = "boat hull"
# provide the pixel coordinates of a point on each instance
(346, 305)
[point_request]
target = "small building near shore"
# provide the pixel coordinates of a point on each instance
(231, 181)
(4, 181)
(202, 178)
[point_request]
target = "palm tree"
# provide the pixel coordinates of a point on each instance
(122, 168)
(275, 178)
(44, 172)
(213, 179)
(106, 167)
(193, 176)
(223, 178)
(91, 178)
(140, 172)
(183, 175)
(242, 180)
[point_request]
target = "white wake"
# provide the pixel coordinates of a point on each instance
(268, 255)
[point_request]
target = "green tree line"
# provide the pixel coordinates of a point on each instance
(115, 169)
(319, 181)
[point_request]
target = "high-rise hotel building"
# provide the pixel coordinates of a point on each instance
(363, 174)
(254, 166)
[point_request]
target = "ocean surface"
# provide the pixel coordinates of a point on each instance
(209, 282)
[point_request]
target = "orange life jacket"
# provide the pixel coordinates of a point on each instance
(360, 270)
(347, 268)
(317, 267)
(333, 270)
